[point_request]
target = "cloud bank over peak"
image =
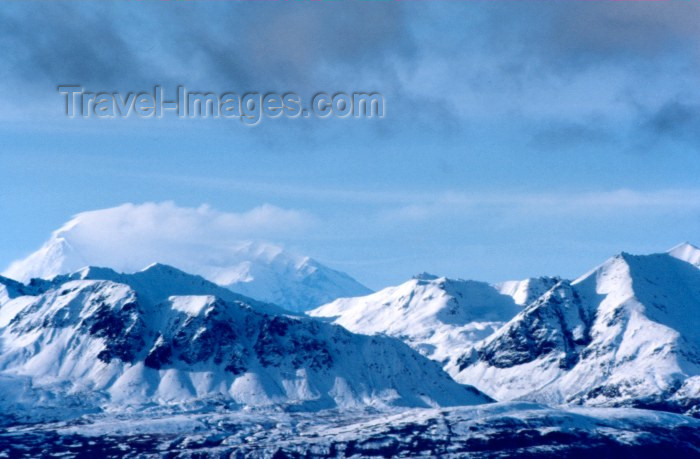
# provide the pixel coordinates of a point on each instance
(130, 237)
(226, 247)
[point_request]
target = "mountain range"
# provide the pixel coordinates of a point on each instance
(98, 339)
(435, 315)
(160, 360)
(625, 334)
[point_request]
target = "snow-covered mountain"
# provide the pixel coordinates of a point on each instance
(123, 239)
(626, 333)
(440, 317)
(97, 338)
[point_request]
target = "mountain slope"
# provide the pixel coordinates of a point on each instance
(440, 317)
(162, 337)
(625, 333)
(257, 269)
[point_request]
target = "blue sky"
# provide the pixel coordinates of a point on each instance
(520, 138)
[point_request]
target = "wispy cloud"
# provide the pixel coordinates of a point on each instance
(532, 205)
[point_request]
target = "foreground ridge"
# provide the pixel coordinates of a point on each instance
(97, 339)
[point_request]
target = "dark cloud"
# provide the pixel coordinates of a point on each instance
(569, 36)
(269, 44)
(439, 63)
(676, 121)
(63, 45)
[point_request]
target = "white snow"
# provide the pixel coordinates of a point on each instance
(191, 304)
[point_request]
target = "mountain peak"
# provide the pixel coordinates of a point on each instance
(165, 269)
(527, 290)
(683, 246)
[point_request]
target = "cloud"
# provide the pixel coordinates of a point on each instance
(168, 222)
(583, 205)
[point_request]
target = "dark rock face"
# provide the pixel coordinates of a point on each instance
(190, 340)
(15, 289)
(557, 322)
(160, 355)
(225, 334)
(274, 341)
(123, 331)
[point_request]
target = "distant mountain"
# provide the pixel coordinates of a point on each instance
(526, 291)
(96, 338)
(440, 317)
(686, 252)
(260, 270)
(626, 333)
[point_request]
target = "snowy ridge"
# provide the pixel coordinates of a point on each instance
(258, 269)
(439, 317)
(623, 334)
(163, 336)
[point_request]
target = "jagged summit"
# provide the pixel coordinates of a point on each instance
(624, 333)
(158, 281)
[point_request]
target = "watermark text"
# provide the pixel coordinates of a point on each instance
(250, 107)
